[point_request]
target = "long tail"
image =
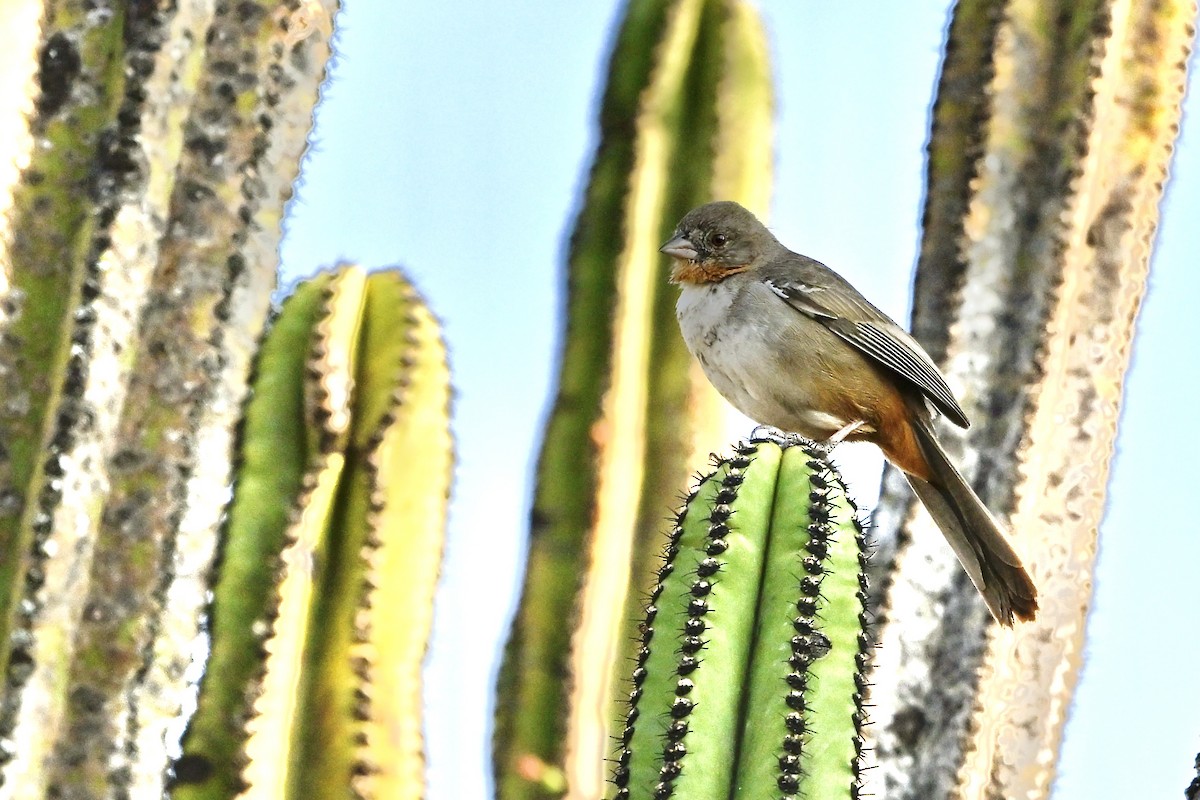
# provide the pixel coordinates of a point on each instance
(976, 537)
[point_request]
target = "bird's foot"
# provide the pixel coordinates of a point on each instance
(767, 433)
(841, 434)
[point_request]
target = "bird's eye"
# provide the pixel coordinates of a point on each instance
(719, 240)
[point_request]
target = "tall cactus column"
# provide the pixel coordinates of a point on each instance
(686, 117)
(155, 147)
(1052, 135)
(324, 597)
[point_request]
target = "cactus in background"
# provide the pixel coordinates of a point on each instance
(750, 673)
(336, 527)
(686, 117)
(1052, 134)
(147, 152)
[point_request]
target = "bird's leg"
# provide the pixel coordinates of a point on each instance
(842, 433)
(826, 447)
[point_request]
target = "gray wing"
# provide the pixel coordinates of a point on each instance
(818, 292)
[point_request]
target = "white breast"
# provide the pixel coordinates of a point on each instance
(740, 354)
(728, 346)
(702, 311)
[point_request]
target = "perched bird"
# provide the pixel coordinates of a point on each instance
(792, 345)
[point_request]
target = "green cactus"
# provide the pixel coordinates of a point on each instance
(138, 246)
(686, 117)
(750, 671)
(312, 687)
(139, 250)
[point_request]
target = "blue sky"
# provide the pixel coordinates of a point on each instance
(454, 138)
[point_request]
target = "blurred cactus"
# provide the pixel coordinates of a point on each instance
(750, 672)
(686, 117)
(147, 153)
(1052, 134)
(312, 687)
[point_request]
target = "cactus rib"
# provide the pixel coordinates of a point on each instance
(749, 676)
(313, 687)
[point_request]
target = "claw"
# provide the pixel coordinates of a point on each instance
(767, 433)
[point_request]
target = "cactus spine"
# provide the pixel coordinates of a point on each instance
(1052, 134)
(749, 677)
(685, 117)
(336, 528)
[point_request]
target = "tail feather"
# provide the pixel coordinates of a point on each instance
(974, 534)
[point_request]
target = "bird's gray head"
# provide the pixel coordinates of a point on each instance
(715, 241)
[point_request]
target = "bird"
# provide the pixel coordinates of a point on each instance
(792, 345)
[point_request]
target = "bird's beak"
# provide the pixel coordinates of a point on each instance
(680, 247)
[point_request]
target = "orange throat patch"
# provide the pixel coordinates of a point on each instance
(699, 272)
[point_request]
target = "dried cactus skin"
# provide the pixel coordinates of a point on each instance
(313, 687)
(1044, 243)
(42, 274)
(136, 263)
(957, 131)
(49, 231)
(631, 408)
(751, 654)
